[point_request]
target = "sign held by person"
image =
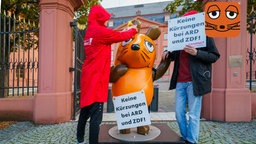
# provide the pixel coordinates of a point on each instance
(186, 30)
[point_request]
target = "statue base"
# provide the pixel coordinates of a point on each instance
(159, 133)
(134, 136)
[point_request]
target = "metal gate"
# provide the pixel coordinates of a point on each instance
(77, 69)
(251, 51)
(18, 57)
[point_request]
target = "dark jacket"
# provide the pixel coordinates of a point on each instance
(200, 67)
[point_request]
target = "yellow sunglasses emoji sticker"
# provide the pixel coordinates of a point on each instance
(222, 19)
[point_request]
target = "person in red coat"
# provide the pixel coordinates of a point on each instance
(96, 70)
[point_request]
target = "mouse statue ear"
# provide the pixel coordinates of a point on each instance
(153, 32)
(135, 22)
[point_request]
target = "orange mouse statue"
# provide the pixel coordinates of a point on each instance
(133, 70)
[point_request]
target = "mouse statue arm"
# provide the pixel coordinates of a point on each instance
(154, 32)
(162, 67)
(117, 71)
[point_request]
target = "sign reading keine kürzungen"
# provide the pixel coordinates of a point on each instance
(131, 110)
(186, 30)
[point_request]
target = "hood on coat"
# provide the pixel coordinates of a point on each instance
(98, 15)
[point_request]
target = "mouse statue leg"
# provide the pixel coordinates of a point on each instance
(156, 74)
(125, 131)
(143, 130)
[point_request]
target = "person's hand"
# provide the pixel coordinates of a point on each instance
(133, 26)
(190, 50)
(166, 55)
(130, 27)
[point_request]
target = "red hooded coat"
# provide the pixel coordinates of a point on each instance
(97, 47)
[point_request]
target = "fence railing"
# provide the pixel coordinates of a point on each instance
(253, 75)
(251, 19)
(18, 57)
(77, 69)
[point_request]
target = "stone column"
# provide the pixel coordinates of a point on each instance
(230, 100)
(53, 101)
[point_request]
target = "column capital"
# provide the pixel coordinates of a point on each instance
(66, 5)
(77, 3)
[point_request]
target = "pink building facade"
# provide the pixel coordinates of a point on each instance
(230, 100)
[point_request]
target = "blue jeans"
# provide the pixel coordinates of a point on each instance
(189, 125)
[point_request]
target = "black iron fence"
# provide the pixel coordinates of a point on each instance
(18, 57)
(77, 69)
(251, 51)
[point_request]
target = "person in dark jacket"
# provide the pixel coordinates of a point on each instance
(96, 70)
(191, 78)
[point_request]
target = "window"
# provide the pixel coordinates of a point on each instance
(165, 48)
(112, 15)
(167, 72)
(138, 12)
(110, 23)
(166, 36)
(138, 6)
(166, 17)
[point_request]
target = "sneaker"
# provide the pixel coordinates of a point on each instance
(80, 142)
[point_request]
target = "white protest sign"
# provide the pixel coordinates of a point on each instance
(131, 110)
(186, 30)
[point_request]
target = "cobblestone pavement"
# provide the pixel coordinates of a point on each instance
(64, 133)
